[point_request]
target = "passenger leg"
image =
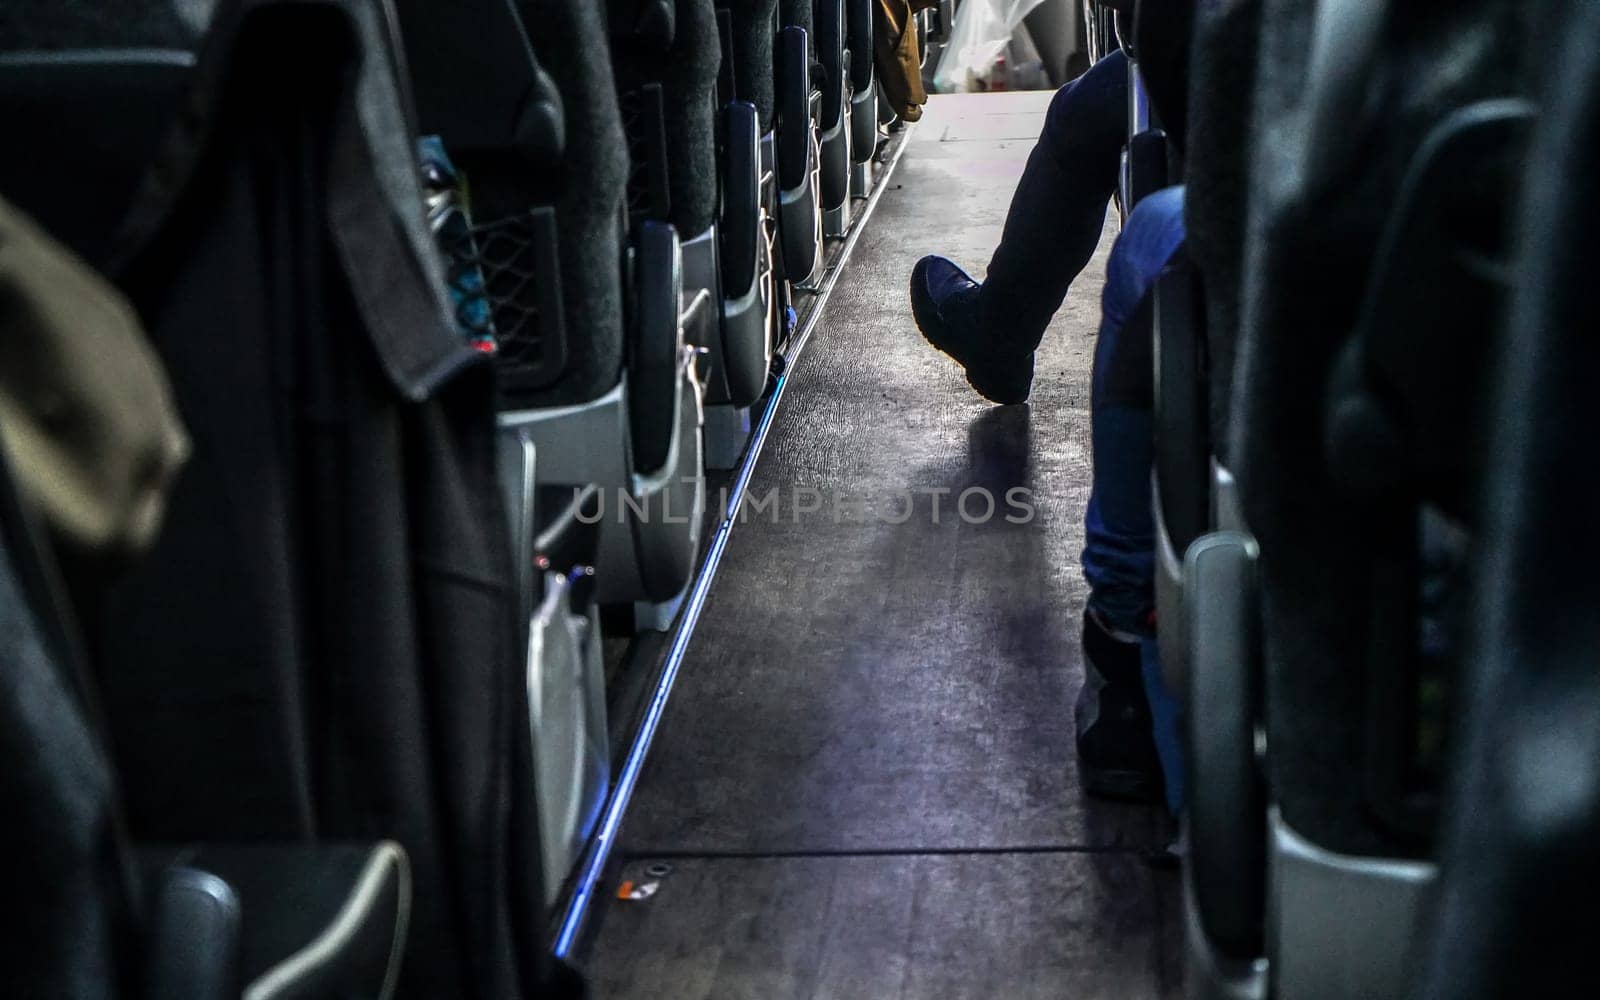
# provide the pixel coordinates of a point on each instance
(1115, 720)
(1051, 231)
(1059, 208)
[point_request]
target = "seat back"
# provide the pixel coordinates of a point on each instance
(1300, 314)
(666, 87)
(1217, 179)
(753, 27)
(476, 82)
(833, 61)
(691, 117)
(1406, 438)
(76, 892)
(1197, 309)
(558, 228)
(1517, 852)
(797, 14)
(493, 109)
(1340, 585)
(118, 136)
(306, 614)
(863, 80)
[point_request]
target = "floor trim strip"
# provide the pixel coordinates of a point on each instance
(592, 867)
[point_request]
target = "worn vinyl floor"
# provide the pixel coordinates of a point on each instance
(864, 784)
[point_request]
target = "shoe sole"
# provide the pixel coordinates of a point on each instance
(1004, 392)
(1120, 785)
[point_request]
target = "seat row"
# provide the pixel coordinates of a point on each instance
(457, 303)
(1360, 356)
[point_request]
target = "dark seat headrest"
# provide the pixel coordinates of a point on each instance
(476, 81)
(651, 24)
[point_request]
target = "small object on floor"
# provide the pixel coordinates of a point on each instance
(629, 891)
(791, 319)
(659, 870)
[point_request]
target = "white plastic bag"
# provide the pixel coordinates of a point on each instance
(982, 29)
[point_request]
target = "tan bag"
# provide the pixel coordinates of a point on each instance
(896, 56)
(86, 413)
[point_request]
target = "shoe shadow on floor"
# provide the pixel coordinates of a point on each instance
(1000, 449)
(1039, 640)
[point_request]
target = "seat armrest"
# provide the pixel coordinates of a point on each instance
(835, 59)
(1147, 159)
(858, 19)
(654, 355)
(740, 231)
(1182, 425)
(313, 920)
(193, 936)
(792, 64)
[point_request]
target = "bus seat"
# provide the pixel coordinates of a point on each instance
(309, 588)
(1337, 858)
(759, 76)
(752, 30)
(833, 54)
(668, 94)
(1148, 156)
(95, 917)
(118, 136)
(1183, 459)
(863, 93)
(729, 254)
(797, 152)
(1197, 312)
(801, 14)
(1522, 813)
(570, 749)
(624, 409)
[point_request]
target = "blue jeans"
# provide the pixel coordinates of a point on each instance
(1119, 554)
(1119, 548)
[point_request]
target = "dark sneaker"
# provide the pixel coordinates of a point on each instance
(1116, 749)
(944, 302)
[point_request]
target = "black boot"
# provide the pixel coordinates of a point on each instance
(944, 303)
(1116, 746)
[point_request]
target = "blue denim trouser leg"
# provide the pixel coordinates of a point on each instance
(1119, 550)
(1119, 554)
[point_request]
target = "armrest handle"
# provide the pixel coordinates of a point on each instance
(285, 920)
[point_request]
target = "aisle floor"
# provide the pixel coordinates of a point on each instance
(864, 784)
